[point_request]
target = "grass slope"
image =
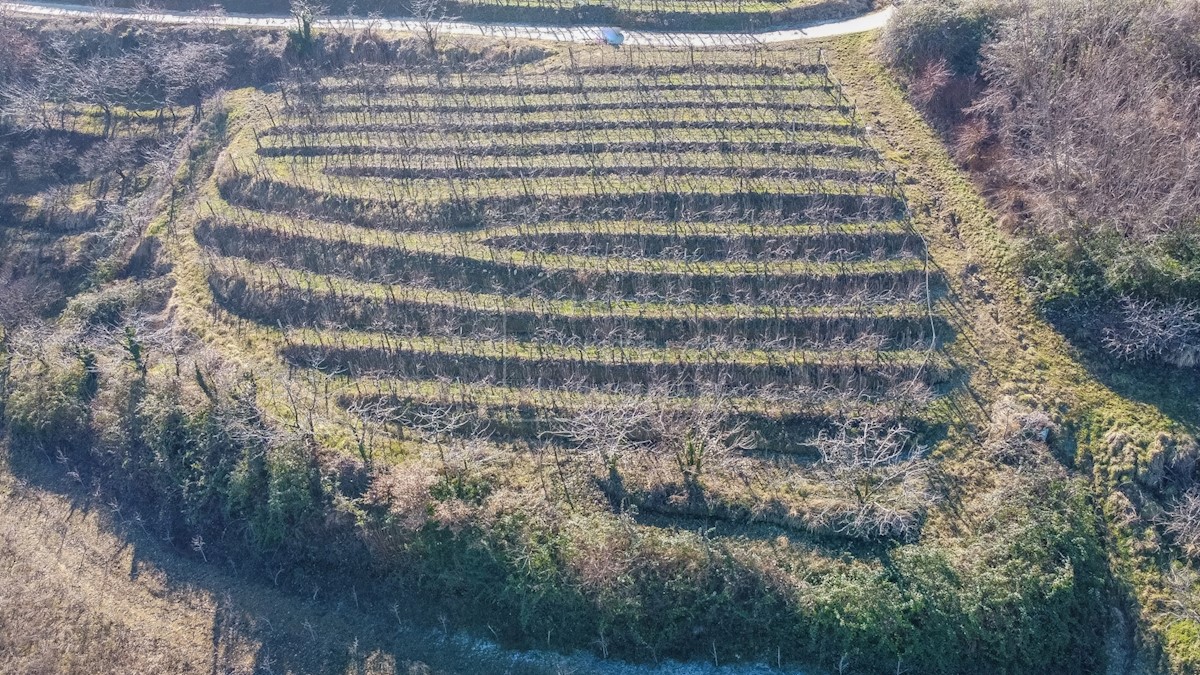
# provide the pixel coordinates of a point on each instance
(1024, 356)
(877, 605)
(85, 589)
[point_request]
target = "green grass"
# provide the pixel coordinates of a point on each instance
(324, 287)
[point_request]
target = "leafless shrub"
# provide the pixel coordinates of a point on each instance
(1098, 114)
(1183, 523)
(700, 437)
(609, 429)
(972, 139)
(883, 473)
(1183, 596)
(24, 299)
(1150, 329)
(404, 494)
(1018, 434)
(209, 19)
(1183, 459)
(929, 82)
(189, 70)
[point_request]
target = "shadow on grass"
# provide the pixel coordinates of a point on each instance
(1173, 390)
(306, 624)
(829, 547)
(314, 621)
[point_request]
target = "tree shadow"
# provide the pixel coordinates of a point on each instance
(824, 546)
(310, 623)
(1173, 390)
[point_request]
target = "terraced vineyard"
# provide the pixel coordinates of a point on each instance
(685, 275)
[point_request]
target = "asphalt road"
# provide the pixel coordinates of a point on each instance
(580, 34)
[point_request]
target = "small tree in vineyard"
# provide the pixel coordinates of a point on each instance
(880, 470)
(429, 15)
(305, 12)
(702, 437)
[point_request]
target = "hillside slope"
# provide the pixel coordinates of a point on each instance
(656, 353)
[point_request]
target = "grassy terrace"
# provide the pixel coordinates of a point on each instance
(373, 303)
(462, 251)
(369, 97)
(414, 166)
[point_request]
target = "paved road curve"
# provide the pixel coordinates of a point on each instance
(582, 34)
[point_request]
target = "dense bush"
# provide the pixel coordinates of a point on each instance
(1024, 595)
(187, 445)
(1098, 110)
(1087, 116)
(208, 468)
(925, 32)
(937, 45)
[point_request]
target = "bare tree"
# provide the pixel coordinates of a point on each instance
(188, 70)
(702, 436)
(42, 96)
(305, 13)
(881, 470)
(442, 426)
(609, 429)
(109, 82)
(429, 15)
(368, 418)
(1150, 329)
(23, 300)
(1183, 523)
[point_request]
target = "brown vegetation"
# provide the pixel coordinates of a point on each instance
(1082, 120)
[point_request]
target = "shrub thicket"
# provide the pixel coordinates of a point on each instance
(927, 32)
(208, 466)
(1084, 118)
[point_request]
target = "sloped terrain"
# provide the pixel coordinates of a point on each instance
(689, 15)
(652, 234)
(644, 352)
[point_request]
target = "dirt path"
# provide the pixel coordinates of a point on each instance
(581, 34)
